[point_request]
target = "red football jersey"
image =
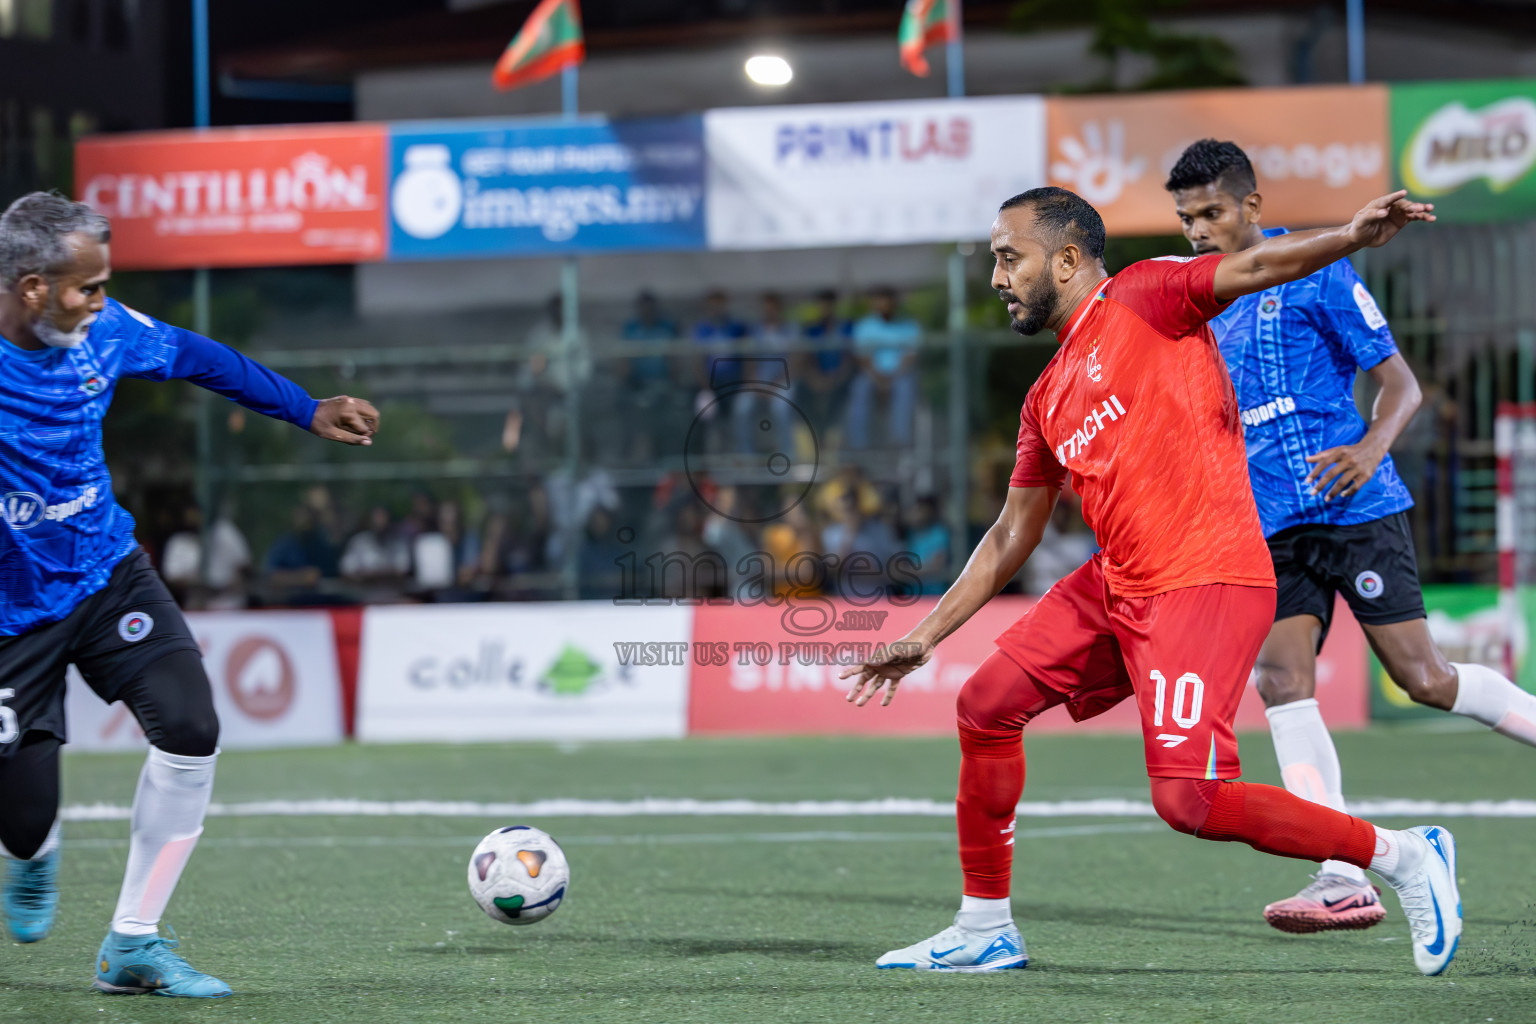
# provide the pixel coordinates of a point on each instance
(1138, 406)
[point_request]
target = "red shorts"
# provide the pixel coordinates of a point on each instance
(1185, 654)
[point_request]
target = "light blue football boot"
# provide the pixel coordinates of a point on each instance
(32, 896)
(135, 964)
(1432, 901)
(958, 949)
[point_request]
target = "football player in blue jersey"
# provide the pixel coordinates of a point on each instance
(76, 588)
(1332, 506)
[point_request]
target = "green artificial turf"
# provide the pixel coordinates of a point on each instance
(723, 920)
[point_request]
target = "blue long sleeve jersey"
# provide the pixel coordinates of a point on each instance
(1292, 352)
(63, 531)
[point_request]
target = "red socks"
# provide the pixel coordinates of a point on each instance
(1267, 818)
(991, 782)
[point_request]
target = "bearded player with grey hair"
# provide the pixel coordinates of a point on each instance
(76, 588)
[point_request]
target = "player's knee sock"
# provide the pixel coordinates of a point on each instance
(167, 819)
(1267, 818)
(991, 782)
(1486, 696)
(1309, 764)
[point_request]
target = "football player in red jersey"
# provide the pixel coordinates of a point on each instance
(1138, 407)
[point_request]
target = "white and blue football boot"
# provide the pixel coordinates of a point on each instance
(130, 965)
(956, 949)
(31, 896)
(1431, 901)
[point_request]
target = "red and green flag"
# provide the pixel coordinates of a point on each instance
(549, 41)
(924, 23)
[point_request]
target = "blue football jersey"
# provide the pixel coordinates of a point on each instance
(1293, 351)
(61, 530)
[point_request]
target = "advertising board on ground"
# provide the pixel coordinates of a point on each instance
(868, 173)
(1320, 153)
(528, 188)
(234, 197)
(798, 690)
(274, 683)
(523, 671)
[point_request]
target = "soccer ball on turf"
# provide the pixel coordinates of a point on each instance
(518, 875)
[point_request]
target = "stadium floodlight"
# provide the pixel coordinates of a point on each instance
(769, 69)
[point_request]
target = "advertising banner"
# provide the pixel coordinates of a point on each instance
(843, 174)
(1467, 147)
(274, 685)
(519, 188)
(1320, 153)
(230, 197)
(562, 670)
(773, 677)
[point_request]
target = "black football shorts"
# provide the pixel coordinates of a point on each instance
(1371, 564)
(111, 637)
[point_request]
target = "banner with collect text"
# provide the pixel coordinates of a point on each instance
(237, 197)
(1467, 147)
(773, 672)
(848, 174)
(1320, 153)
(557, 671)
(274, 677)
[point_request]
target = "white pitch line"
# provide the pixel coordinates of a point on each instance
(890, 807)
(665, 839)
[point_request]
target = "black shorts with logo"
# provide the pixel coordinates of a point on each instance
(111, 637)
(1371, 564)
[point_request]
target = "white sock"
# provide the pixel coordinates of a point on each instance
(1399, 855)
(167, 819)
(1485, 696)
(1309, 764)
(50, 843)
(979, 915)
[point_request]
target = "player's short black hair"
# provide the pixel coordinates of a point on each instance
(1208, 162)
(1063, 217)
(32, 233)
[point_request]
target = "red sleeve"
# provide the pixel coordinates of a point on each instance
(1174, 294)
(1035, 464)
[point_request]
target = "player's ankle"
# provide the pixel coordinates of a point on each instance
(1399, 855)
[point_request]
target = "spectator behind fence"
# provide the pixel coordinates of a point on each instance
(445, 557)
(717, 330)
(762, 418)
(303, 555)
(822, 376)
(928, 540)
(887, 347)
(657, 426)
(1064, 546)
(229, 559)
(547, 374)
(866, 539)
(376, 553)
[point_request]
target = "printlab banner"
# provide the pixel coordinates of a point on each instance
(238, 197)
(789, 681)
(489, 188)
(1320, 153)
(869, 173)
(274, 679)
(1468, 147)
(564, 670)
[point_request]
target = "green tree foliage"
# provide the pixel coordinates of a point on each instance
(1124, 27)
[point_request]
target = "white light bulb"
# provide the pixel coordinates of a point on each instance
(769, 69)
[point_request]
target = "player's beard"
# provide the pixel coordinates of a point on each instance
(1039, 306)
(53, 337)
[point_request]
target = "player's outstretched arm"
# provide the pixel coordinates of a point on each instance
(345, 419)
(1293, 256)
(996, 560)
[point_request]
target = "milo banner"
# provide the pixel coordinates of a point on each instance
(1467, 147)
(1470, 625)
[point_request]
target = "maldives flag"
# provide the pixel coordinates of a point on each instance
(549, 41)
(923, 23)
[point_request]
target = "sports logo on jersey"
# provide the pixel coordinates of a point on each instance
(1269, 307)
(1093, 423)
(1369, 585)
(92, 383)
(134, 626)
(22, 509)
(1095, 368)
(1368, 308)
